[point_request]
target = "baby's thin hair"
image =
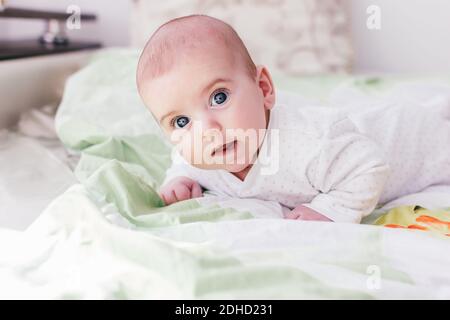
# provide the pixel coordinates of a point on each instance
(158, 55)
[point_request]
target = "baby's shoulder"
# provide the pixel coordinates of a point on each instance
(313, 121)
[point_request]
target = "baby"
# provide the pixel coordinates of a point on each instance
(234, 137)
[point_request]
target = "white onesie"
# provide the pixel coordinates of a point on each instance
(342, 161)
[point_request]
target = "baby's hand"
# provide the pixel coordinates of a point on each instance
(305, 213)
(179, 189)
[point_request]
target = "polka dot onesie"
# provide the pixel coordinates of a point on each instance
(342, 161)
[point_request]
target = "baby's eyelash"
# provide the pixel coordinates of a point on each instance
(219, 90)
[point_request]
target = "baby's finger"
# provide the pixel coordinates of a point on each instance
(196, 190)
(170, 197)
(182, 192)
(293, 215)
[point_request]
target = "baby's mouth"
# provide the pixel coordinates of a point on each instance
(230, 146)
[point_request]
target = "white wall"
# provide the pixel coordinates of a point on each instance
(111, 27)
(414, 36)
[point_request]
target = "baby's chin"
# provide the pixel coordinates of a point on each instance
(237, 168)
(233, 168)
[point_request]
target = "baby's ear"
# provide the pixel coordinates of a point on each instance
(264, 81)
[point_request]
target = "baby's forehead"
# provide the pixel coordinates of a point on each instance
(175, 49)
(192, 69)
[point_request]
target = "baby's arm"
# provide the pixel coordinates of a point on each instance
(349, 172)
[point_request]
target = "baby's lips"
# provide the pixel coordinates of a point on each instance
(221, 147)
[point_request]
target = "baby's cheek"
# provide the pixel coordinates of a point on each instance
(194, 151)
(182, 142)
(250, 118)
(188, 151)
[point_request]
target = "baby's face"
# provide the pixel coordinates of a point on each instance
(211, 109)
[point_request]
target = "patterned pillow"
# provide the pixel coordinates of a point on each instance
(291, 37)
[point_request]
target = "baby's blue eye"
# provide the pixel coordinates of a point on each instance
(218, 98)
(180, 122)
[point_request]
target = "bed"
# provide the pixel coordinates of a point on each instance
(35, 166)
(106, 234)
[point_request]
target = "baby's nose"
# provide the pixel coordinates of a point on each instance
(210, 123)
(212, 129)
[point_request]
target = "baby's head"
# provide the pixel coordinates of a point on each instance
(201, 85)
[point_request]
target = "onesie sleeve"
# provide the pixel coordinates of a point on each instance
(349, 172)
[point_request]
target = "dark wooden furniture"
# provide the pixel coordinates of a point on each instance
(31, 48)
(54, 39)
(9, 12)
